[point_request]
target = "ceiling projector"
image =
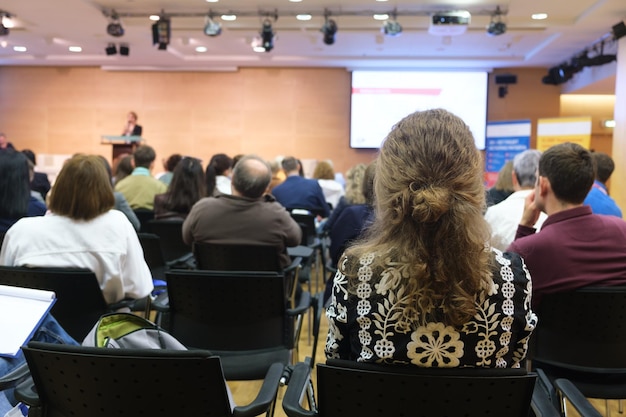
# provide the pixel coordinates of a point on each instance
(449, 23)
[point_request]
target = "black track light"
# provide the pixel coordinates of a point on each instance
(496, 26)
(267, 36)
(161, 32)
(111, 49)
(329, 29)
(124, 49)
(115, 27)
(212, 28)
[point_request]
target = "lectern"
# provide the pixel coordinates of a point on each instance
(122, 144)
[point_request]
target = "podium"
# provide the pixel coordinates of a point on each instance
(121, 144)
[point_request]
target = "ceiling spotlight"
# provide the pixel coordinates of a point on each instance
(124, 49)
(115, 27)
(161, 32)
(560, 74)
(212, 28)
(267, 35)
(618, 30)
(329, 29)
(391, 27)
(111, 49)
(496, 26)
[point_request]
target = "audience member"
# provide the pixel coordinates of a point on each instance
(299, 192)
(353, 195)
(169, 164)
(503, 186)
(218, 174)
(422, 288)
(83, 232)
(120, 201)
(277, 174)
(574, 248)
(598, 198)
(248, 216)
(40, 182)
(325, 176)
(236, 159)
(186, 188)
(140, 187)
(122, 167)
(4, 143)
(16, 201)
(504, 216)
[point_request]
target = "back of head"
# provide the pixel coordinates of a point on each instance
(324, 171)
(354, 184)
(367, 186)
(604, 166)
(505, 181)
(30, 155)
(187, 185)
(569, 168)
(144, 156)
(172, 161)
(82, 190)
(14, 184)
(251, 176)
(525, 166)
(290, 164)
(429, 213)
(221, 163)
(123, 167)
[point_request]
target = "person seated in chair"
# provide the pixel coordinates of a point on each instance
(140, 187)
(247, 216)
(421, 288)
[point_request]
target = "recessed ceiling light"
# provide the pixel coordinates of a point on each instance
(304, 17)
(381, 0)
(229, 17)
(539, 16)
(295, 1)
(201, 49)
(212, 1)
(7, 22)
(19, 48)
(75, 49)
(155, 17)
(381, 16)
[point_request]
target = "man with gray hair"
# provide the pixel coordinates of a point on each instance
(249, 216)
(504, 216)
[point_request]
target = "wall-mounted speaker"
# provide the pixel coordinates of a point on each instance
(505, 79)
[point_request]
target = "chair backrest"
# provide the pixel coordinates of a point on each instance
(228, 310)
(144, 216)
(171, 233)
(97, 382)
(582, 328)
(227, 257)
(80, 302)
(349, 388)
(153, 254)
(307, 224)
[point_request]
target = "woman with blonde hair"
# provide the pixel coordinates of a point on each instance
(422, 287)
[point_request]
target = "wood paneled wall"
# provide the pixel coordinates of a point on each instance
(268, 111)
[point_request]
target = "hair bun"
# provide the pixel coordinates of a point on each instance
(428, 204)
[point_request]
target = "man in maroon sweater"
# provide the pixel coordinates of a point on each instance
(574, 248)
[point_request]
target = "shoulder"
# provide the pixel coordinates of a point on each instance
(510, 266)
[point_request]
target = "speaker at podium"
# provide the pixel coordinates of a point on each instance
(121, 144)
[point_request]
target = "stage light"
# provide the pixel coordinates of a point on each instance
(5, 23)
(267, 35)
(211, 27)
(115, 27)
(496, 26)
(618, 30)
(391, 27)
(111, 49)
(161, 32)
(124, 49)
(560, 74)
(329, 29)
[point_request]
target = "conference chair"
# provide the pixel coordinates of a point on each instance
(581, 338)
(153, 254)
(144, 216)
(100, 382)
(241, 316)
(80, 302)
(350, 388)
(170, 231)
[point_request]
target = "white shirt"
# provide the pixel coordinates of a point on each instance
(505, 216)
(107, 245)
(222, 183)
(332, 191)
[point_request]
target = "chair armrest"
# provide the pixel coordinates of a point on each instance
(266, 395)
(161, 302)
(576, 398)
(296, 389)
(26, 392)
(13, 378)
(541, 402)
(304, 303)
(187, 261)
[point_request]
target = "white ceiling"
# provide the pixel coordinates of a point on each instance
(48, 27)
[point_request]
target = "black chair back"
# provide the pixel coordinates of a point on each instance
(80, 302)
(307, 224)
(144, 216)
(227, 257)
(153, 254)
(171, 233)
